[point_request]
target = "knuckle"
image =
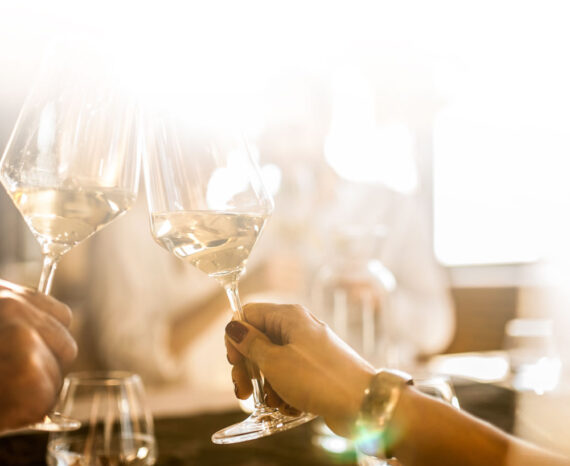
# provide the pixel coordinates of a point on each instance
(32, 293)
(247, 308)
(251, 307)
(73, 350)
(67, 314)
(320, 324)
(298, 310)
(10, 306)
(50, 324)
(52, 306)
(62, 313)
(32, 368)
(59, 340)
(19, 336)
(304, 311)
(67, 350)
(263, 355)
(45, 385)
(237, 374)
(255, 352)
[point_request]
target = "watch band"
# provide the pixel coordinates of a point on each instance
(380, 400)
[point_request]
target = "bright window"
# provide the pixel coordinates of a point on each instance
(501, 182)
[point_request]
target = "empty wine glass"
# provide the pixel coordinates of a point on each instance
(70, 165)
(117, 426)
(208, 206)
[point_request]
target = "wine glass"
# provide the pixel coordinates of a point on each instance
(208, 206)
(117, 426)
(69, 165)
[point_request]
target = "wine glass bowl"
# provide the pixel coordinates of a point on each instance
(207, 202)
(67, 163)
(208, 206)
(71, 164)
(218, 243)
(62, 217)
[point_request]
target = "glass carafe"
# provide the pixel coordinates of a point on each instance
(352, 291)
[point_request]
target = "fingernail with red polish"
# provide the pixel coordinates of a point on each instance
(236, 331)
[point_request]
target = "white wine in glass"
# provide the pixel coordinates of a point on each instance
(71, 165)
(217, 243)
(60, 218)
(208, 207)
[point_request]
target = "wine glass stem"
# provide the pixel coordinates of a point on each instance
(48, 269)
(233, 297)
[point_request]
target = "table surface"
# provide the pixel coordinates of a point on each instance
(186, 440)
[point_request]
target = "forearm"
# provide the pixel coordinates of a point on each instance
(430, 432)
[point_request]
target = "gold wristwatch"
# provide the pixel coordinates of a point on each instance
(380, 399)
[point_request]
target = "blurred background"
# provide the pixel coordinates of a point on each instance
(418, 154)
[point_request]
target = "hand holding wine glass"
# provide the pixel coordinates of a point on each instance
(70, 165)
(35, 347)
(208, 207)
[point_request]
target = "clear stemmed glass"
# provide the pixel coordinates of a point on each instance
(70, 165)
(117, 425)
(208, 206)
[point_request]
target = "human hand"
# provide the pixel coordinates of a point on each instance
(35, 347)
(307, 366)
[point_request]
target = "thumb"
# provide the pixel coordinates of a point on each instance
(250, 342)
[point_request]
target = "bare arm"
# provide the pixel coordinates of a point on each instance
(435, 433)
(310, 368)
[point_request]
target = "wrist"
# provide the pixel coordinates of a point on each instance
(360, 386)
(341, 413)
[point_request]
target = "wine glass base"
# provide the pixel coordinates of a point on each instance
(55, 422)
(261, 423)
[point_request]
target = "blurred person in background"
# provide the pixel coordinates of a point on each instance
(151, 313)
(395, 228)
(148, 312)
(140, 309)
(378, 147)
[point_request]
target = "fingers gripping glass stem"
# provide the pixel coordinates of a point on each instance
(253, 370)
